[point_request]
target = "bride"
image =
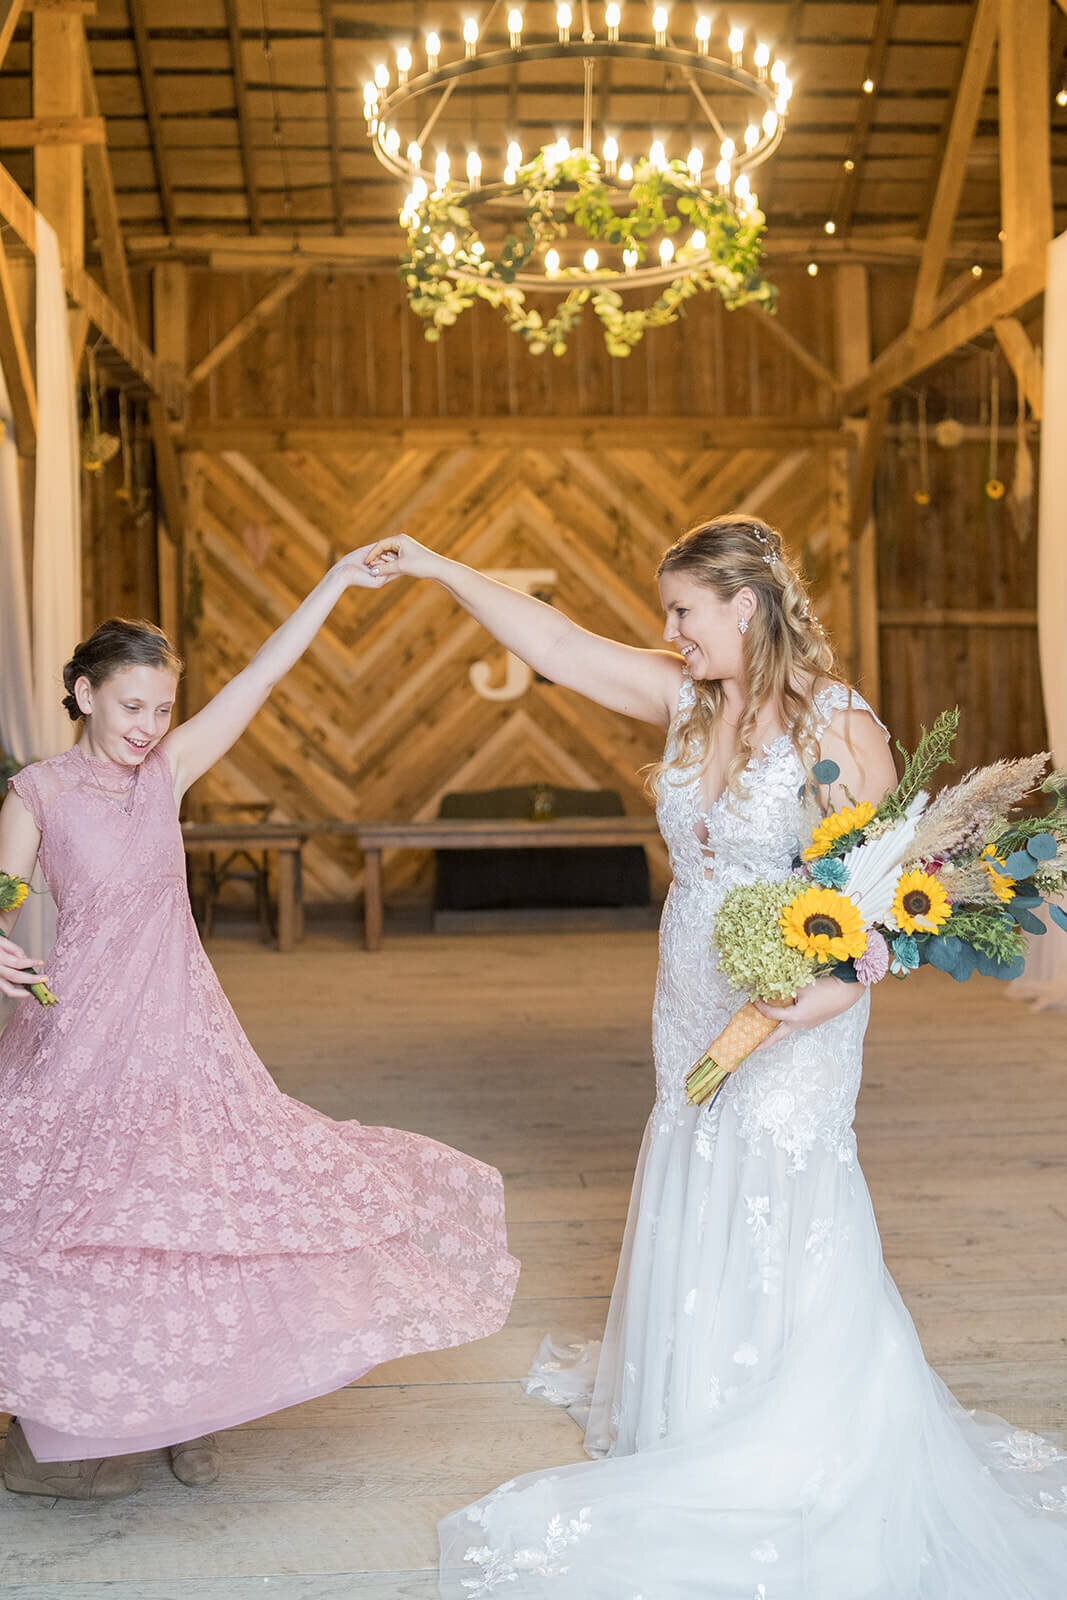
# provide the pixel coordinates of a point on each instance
(763, 1421)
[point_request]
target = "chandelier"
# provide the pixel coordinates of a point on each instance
(582, 214)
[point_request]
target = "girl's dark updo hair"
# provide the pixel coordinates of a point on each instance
(115, 644)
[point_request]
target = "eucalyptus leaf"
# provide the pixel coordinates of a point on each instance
(1042, 846)
(1020, 864)
(1028, 922)
(1026, 895)
(1059, 916)
(826, 772)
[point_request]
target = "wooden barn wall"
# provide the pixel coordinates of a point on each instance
(381, 718)
(958, 597)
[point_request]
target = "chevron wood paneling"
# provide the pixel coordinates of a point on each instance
(380, 718)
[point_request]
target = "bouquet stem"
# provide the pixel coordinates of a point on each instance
(43, 994)
(744, 1031)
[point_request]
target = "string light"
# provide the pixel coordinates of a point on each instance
(830, 226)
(564, 18)
(403, 64)
(849, 164)
(868, 85)
(612, 18)
(976, 271)
(813, 269)
(703, 33)
(470, 36)
(515, 29)
(611, 155)
(1061, 96)
(659, 25)
(433, 51)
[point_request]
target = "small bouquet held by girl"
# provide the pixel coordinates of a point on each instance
(951, 883)
(13, 892)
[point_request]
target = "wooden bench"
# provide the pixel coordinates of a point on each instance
(482, 834)
(285, 838)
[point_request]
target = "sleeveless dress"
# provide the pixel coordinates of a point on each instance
(182, 1246)
(768, 1427)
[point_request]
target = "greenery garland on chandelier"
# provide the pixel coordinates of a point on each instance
(445, 276)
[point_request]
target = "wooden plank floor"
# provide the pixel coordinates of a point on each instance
(532, 1051)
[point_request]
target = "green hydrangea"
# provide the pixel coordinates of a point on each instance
(753, 955)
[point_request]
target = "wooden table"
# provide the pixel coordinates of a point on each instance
(503, 833)
(285, 838)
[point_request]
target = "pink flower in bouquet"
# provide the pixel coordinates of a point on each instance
(873, 964)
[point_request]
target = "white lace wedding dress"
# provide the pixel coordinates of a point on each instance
(768, 1427)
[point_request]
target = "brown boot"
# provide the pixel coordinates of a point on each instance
(195, 1462)
(107, 1479)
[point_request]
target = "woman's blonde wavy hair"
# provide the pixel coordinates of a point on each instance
(784, 642)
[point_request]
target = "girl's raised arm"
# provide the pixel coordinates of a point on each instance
(640, 683)
(196, 745)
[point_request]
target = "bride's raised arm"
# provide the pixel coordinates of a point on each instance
(639, 683)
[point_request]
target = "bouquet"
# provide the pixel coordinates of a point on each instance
(951, 883)
(13, 892)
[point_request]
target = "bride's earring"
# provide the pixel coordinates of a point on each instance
(742, 624)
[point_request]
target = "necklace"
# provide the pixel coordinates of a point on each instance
(128, 789)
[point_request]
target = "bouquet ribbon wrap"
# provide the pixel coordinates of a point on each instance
(745, 1030)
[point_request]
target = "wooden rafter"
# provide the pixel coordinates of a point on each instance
(15, 364)
(143, 51)
(10, 11)
(953, 165)
(918, 349)
(104, 204)
(333, 119)
(775, 329)
(1024, 359)
(247, 324)
(877, 51)
(244, 116)
(21, 133)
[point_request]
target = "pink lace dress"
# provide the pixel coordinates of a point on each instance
(182, 1246)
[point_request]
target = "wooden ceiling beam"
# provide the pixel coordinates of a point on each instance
(953, 165)
(24, 133)
(143, 52)
(259, 314)
(919, 348)
(244, 116)
(877, 51)
(333, 119)
(1025, 146)
(16, 365)
(10, 12)
(104, 204)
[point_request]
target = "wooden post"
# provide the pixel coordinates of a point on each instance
(372, 899)
(852, 321)
(1025, 160)
(59, 170)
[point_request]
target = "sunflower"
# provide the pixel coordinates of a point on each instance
(848, 820)
(823, 925)
(1002, 886)
(920, 904)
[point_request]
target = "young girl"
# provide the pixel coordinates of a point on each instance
(768, 1427)
(183, 1247)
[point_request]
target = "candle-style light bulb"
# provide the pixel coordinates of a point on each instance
(381, 76)
(657, 155)
(698, 240)
(751, 136)
(414, 154)
(392, 142)
(695, 163)
(470, 36)
(666, 251)
(611, 155)
(727, 149)
(564, 18)
(403, 63)
(770, 123)
(474, 169)
(514, 154)
(551, 262)
(419, 191)
(742, 187)
(778, 71)
(433, 51)
(448, 243)
(612, 18)
(659, 25)
(762, 57)
(629, 259)
(442, 170)
(703, 33)
(626, 172)
(515, 29)
(736, 41)
(722, 174)
(590, 261)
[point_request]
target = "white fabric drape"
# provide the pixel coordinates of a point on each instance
(1045, 981)
(33, 723)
